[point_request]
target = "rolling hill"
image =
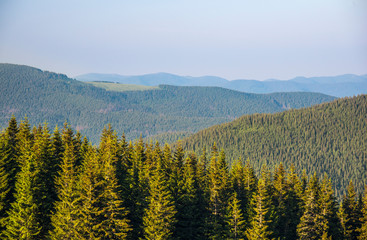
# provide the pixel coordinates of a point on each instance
(339, 86)
(328, 138)
(55, 98)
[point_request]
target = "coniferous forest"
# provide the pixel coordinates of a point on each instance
(56, 185)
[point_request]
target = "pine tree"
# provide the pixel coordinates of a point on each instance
(65, 218)
(23, 221)
(159, 219)
(235, 220)
(260, 223)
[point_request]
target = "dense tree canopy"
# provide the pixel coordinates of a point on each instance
(121, 190)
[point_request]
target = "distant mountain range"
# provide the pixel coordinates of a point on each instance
(338, 86)
(55, 98)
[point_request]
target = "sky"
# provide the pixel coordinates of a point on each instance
(233, 39)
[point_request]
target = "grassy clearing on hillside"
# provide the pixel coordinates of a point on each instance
(117, 87)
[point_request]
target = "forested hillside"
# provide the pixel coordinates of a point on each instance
(328, 138)
(55, 98)
(58, 186)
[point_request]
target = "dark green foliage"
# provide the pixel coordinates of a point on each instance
(311, 225)
(328, 138)
(235, 220)
(261, 220)
(168, 110)
(23, 221)
(363, 230)
(67, 189)
(159, 218)
(65, 218)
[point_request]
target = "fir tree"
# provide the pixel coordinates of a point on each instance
(65, 218)
(349, 213)
(115, 224)
(90, 190)
(235, 220)
(188, 216)
(329, 210)
(159, 219)
(23, 221)
(219, 186)
(260, 223)
(363, 229)
(312, 222)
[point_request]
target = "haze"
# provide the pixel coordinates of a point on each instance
(252, 39)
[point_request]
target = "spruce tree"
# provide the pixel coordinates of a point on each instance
(8, 168)
(261, 221)
(189, 224)
(65, 218)
(363, 229)
(219, 187)
(115, 224)
(90, 190)
(159, 218)
(312, 222)
(235, 220)
(329, 211)
(23, 221)
(349, 213)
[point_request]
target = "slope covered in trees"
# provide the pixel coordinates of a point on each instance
(57, 186)
(328, 138)
(51, 97)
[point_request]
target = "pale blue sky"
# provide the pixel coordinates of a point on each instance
(251, 39)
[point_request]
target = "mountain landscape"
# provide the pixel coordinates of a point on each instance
(169, 111)
(338, 86)
(327, 138)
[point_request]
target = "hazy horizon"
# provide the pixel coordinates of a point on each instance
(234, 39)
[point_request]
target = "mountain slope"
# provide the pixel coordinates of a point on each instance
(328, 138)
(55, 98)
(339, 86)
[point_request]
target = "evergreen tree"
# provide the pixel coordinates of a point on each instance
(349, 214)
(188, 216)
(329, 210)
(159, 219)
(65, 218)
(90, 190)
(138, 189)
(235, 220)
(8, 168)
(219, 187)
(23, 221)
(312, 222)
(295, 204)
(260, 223)
(363, 229)
(115, 224)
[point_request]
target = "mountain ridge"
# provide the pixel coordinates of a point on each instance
(55, 98)
(339, 86)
